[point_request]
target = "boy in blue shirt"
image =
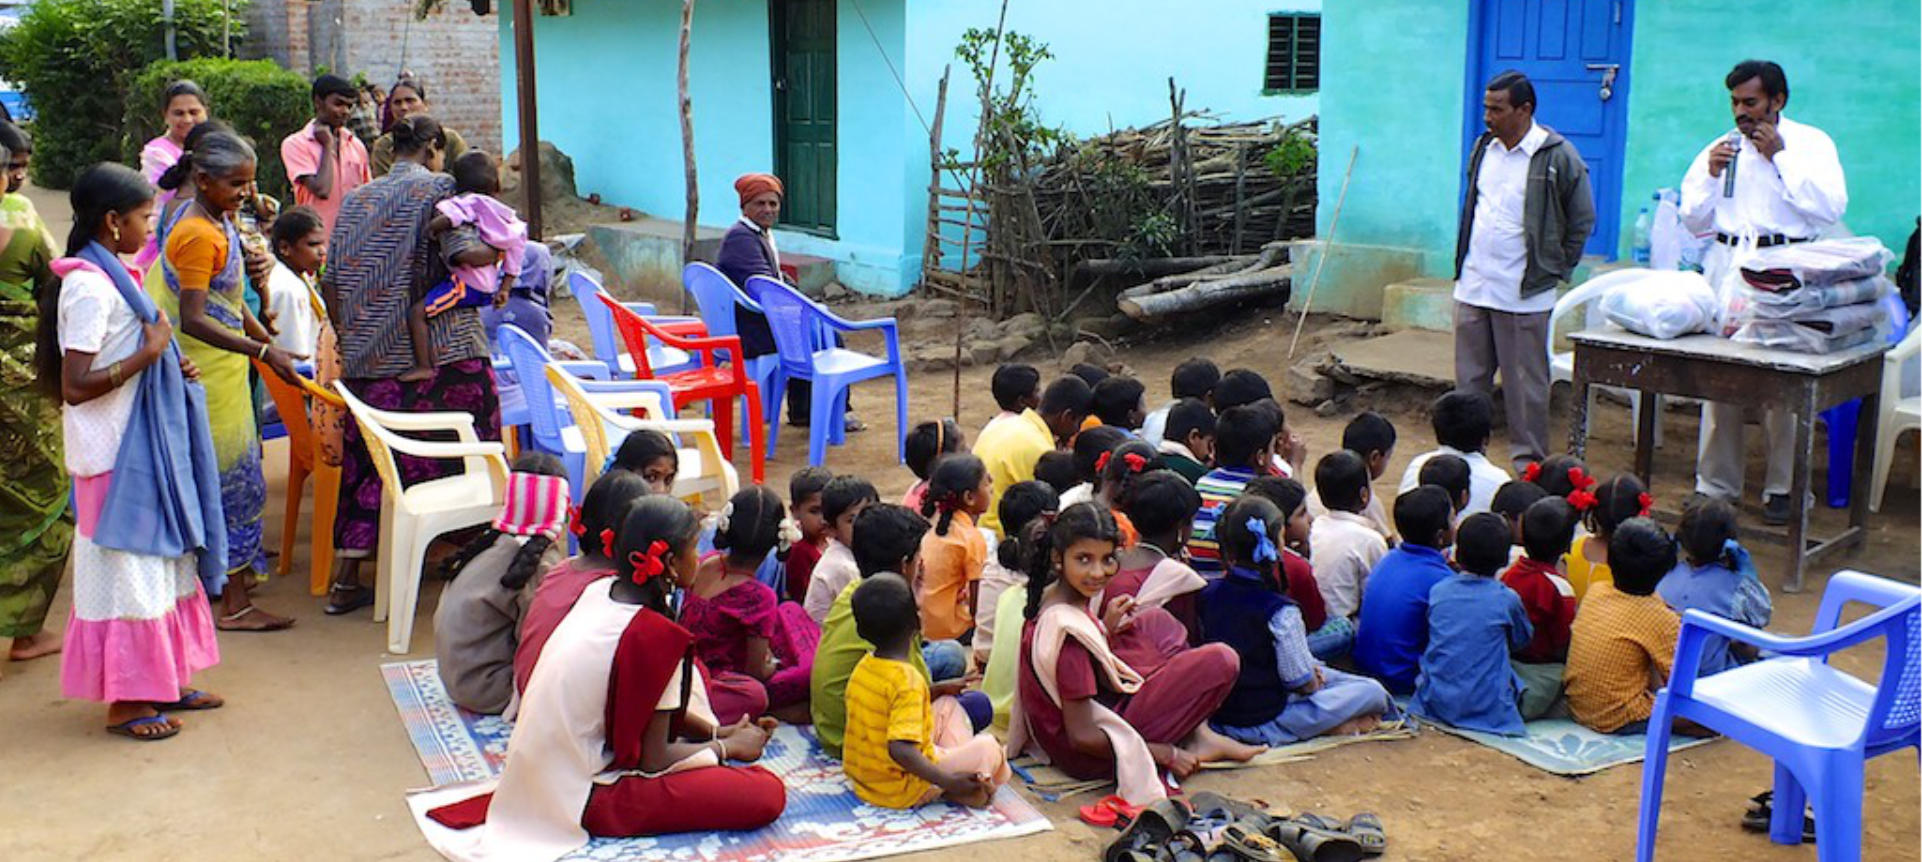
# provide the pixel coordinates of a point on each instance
(1473, 622)
(1393, 629)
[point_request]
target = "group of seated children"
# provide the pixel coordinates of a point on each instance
(1159, 604)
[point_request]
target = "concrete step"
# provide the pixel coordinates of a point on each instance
(811, 274)
(1419, 303)
(1418, 357)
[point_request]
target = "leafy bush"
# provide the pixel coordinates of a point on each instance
(76, 58)
(257, 97)
(1294, 156)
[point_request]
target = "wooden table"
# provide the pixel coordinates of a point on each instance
(1717, 369)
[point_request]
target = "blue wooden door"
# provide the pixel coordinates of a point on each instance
(1576, 53)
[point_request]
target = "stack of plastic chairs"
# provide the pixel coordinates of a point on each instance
(718, 298)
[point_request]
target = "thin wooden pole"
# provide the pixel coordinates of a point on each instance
(529, 114)
(1328, 246)
(693, 214)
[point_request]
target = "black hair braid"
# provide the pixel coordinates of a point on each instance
(1038, 553)
(457, 563)
(526, 561)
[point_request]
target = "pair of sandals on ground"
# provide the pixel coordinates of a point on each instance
(156, 727)
(1214, 828)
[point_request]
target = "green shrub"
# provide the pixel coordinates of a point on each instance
(257, 97)
(76, 58)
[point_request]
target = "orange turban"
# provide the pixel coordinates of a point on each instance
(752, 185)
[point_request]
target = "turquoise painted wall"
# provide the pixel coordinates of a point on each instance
(1857, 81)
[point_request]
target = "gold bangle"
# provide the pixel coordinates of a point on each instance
(264, 347)
(113, 375)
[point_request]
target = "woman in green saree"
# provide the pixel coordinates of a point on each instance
(36, 529)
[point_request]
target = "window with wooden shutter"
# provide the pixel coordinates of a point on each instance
(1294, 53)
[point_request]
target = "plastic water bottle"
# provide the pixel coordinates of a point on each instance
(1643, 222)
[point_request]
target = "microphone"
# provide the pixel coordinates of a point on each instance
(1734, 139)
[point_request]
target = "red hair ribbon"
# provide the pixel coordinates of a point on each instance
(1580, 479)
(1136, 463)
(607, 543)
(1101, 463)
(1532, 472)
(574, 524)
(647, 564)
(1647, 503)
(950, 503)
(1582, 500)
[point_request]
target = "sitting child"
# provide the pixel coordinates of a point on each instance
(1392, 631)
(739, 625)
(841, 502)
(1193, 380)
(1119, 402)
(953, 555)
(926, 444)
(476, 180)
(650, 455)
(1611, 503)
(1283, 694)
(1463, 422)
(1622, 646)
(1560, 476)
(1004, 592)
(1162, 507)
(1115, 475)
(887, 539)
(1344, 545)
(1055, 468)
(1473, 622)
(1244, 442)
(1449, 473)
(1190, 439)
(1371, 436)
(1511, 500)
(1329, 637)
(1089, 446)
(1547, 527)
(902, 748)
(1716, 577)
(480, 611)
(1090, 713)
(804, 507)
(1016, 388)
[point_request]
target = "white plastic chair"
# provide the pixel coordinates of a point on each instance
(603, 418)
(1901, 407)
(412, 516)
(1561, 366)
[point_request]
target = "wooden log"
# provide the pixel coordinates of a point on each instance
(1207, 294)
(1153, 267)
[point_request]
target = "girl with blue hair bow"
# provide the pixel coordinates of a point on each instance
(1283, 694)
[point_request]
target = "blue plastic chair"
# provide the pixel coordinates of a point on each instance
(607, 339)
(797, 322)
(1842, 418)
(551, 424)
(717, 297)
(1819, 724)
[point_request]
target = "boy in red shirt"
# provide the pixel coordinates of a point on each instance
(1548, 526)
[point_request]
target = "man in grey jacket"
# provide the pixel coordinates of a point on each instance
(1527, 215)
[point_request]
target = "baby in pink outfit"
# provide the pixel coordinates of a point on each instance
(477, 179)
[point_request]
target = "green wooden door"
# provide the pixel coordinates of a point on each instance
(804, 107)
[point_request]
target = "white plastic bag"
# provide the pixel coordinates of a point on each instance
(1666, 234)
(1657, 304)
(1732, 293)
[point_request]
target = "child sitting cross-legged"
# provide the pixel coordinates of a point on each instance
(1193, 380)
(902, 748)
(1089, 446)
(1116, 473)
(1344, 546)
(499, 235)
(1462, 421)
(738, 623)
(1547, 526)
(1244, 443)
(841, 502)
(1449, 473)
(1283, 694)
(1511, 501)
(887, 540)
(1190, 440)
(954, 553)
(1004, 592)
(1603, 509)
(1329, 637)
(1716, 577)
(1622, 646)
(926, 444)
(804, 507)
(1083, 707)
(1161, 505)
(1055, 468)
(1473, 622)
(1393, 629)
(1371, 436)
(479, 614)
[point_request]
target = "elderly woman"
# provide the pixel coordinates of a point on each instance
(408, 98)
(748, 250)
(380, 258)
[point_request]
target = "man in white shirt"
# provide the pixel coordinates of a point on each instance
(1462, 421)
(1788, 188)
(1527, 215)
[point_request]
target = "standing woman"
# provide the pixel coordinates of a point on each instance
(140, 627)
(184, 106)
(409, 98)
(35, 532)
(201, 286)
(380, 258)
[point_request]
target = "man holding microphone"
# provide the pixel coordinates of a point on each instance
(1781, 182)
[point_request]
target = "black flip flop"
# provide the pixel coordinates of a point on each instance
(1757, 818)
(1149, 830)
(1311, 841)
(361, 597)
(1246, 839)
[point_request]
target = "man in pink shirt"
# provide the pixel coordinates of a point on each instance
(324, 160)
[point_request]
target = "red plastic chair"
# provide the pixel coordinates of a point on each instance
(713, 381)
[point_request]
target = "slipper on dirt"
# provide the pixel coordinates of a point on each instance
(224, 623)
(1368, 830)
(1107, 812)
(126, 728)
(1148, 830)
(1208, 801)
(1310, 841)
(193, 701)
(1757, 820)
(358, 598)
(1245, 839)
(1185, 846)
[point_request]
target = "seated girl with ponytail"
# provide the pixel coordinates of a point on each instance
(606, 502)
(1154, 570)
(954, 553)
(1083, 708)
(617, 738)
(1283, 694)
(739, 625)
(479, 616)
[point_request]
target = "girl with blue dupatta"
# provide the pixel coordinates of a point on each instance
(200, 285)
(148, 519)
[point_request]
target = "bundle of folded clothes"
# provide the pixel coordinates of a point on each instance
(1213, 828)
(1816, 297)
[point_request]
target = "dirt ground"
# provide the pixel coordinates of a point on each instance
(309, 761)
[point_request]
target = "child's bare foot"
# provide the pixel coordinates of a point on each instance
(1211, 747)
(36, 645)
(138, 720)
(1356, 726)
(417, 374)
